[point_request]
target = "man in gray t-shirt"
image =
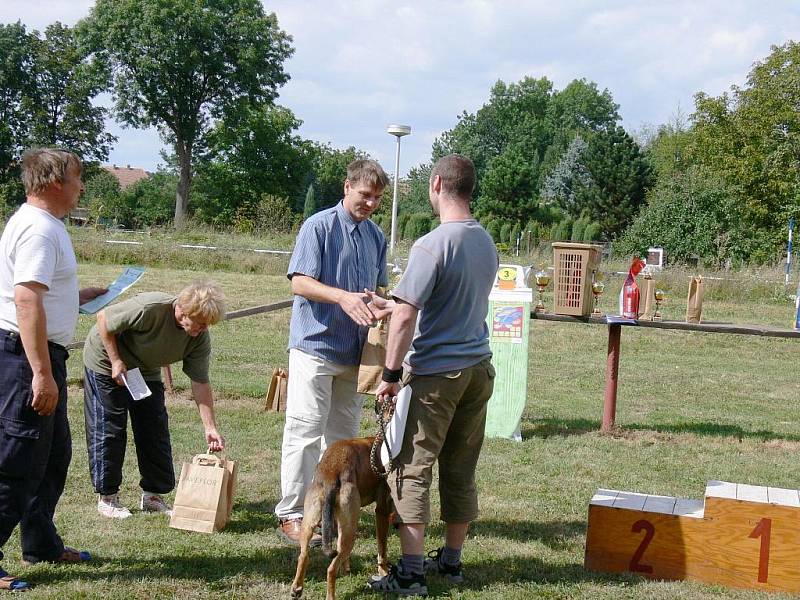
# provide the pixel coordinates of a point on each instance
(442, 301)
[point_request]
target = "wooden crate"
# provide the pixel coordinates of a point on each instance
(573, 265)
(743, 536)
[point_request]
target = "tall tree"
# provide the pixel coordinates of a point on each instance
(16, 85)
(253, 153)
(520, 134)
(620, 174)
(330, 170)
(182, 64)
(310, 205)
(752, 138)
(64, 84)
(46, 89)
(565, 182)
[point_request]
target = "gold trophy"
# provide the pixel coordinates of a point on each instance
(542, 277)
(660, 296)
(598, 287)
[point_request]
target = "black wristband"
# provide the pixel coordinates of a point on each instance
(392, 375)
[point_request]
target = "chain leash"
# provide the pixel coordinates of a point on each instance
(380, 438)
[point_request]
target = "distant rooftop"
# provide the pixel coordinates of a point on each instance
(127, 175)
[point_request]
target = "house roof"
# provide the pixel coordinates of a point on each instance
(127, 175)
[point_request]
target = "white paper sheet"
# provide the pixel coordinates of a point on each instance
(396, 426)
(136, 384)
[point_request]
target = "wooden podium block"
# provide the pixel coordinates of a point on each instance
(741, 535)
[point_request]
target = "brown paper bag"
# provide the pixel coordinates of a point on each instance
(204, 498)
(277, 391)
(373, 357)
(694, 301)
(648, 291)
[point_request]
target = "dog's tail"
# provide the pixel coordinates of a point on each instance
(329, 520)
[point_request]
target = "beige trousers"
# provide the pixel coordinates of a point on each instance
(322, 407)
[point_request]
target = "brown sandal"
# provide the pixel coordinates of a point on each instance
(71, 555)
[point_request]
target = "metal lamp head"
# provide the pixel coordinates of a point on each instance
(398, 130)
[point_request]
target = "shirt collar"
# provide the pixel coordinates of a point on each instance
(349, 223)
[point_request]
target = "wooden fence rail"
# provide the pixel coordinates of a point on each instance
(234, 314)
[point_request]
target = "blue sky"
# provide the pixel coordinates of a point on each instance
(360, 65)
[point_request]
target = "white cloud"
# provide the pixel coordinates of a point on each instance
(361, 64)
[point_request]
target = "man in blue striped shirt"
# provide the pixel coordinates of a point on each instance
(338, 254)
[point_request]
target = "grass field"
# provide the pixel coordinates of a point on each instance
(691, 407)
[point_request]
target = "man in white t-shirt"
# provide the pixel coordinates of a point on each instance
(39, 301)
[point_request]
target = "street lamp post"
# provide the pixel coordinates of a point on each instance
(398, 131)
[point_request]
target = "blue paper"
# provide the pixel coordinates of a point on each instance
(129, 276)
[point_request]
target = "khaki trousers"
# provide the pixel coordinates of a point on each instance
(446, 422)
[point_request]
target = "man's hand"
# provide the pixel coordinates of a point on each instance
(45, 395)
(355, 305)
(216, 443)
(380, 306)
(90, 293)
(118, 370)
(387, 391)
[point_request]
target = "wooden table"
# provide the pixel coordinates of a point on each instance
(615, 337)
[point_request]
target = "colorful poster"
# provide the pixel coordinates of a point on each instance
(507, 321)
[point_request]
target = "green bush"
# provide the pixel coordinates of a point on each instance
(578, 228)
(691, 213)
(592, 232)
(402, 220)
(12, 194)
(505, 232)
(418, 225)
(493, 229)
(102, 192)
(562, 231)
(147, 203)
(273, 214)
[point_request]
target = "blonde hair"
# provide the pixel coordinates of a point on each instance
(369, 172)
(202, 300)
(42, 167)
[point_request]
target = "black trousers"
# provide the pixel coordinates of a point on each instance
(35, 452)
(106, 406)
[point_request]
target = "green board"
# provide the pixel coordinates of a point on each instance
(509, 325)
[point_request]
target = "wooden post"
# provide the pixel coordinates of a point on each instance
(612, 374)
(166, 373)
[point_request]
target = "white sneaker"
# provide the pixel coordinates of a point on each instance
(153, 503)
(109, 506)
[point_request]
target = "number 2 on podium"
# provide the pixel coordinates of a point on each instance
(762, 530)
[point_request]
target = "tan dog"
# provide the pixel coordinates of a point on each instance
(343, 483)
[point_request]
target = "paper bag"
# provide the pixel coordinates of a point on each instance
(649, 295)
(204, 498)
(694, 301)
(277, 391)
(373, 357)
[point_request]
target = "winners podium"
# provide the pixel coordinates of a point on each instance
(740, 535)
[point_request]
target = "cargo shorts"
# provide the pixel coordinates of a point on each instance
(446, 422)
